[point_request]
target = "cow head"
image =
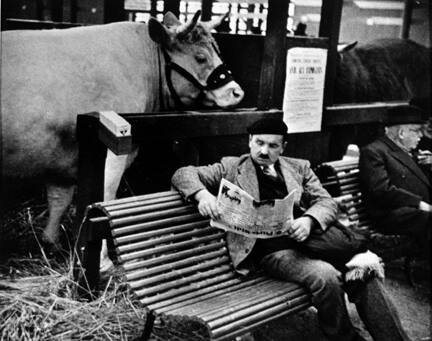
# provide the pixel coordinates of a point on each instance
(194, 69)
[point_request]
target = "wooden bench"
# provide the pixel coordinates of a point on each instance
(180, 270)
(341, 179)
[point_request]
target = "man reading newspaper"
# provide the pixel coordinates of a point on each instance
(297, 253)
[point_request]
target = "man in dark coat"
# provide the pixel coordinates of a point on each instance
(266, 174)
(397, 191)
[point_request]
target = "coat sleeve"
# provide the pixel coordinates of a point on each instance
(320, 205)
(377, 184)
(190, 180)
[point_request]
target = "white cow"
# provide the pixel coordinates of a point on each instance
(49, 76)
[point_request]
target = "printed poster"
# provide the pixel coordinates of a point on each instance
(304, 89)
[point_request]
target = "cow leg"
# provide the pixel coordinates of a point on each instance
(115, 166)
(59, 198)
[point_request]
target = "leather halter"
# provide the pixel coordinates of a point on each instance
(220, 76)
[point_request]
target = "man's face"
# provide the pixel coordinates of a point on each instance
(266, 148)
(410, 135)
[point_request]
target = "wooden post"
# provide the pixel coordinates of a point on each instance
(206, 9)
(153, 8)
(57, 10)
(331, 13)
(407, 16)
(274, 52)
(70, 10)
(172, 6)
(90, 189)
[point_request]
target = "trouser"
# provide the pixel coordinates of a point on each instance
(408, 221)
(326, 286)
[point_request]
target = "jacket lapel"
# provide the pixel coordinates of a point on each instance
(247, 178)
(405, 159)
(290, 180)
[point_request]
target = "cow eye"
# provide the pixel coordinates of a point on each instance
(200, 58)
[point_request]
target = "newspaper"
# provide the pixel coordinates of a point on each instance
(242, 214)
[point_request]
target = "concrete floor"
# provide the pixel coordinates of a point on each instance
(413, 303)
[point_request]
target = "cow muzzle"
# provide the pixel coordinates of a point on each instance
(227, 96)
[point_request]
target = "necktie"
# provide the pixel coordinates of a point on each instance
(269, 171)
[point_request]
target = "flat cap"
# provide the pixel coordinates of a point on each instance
(405, 114)
(268, 126)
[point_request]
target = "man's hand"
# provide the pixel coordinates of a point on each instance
(300, 228)
(424, 157)
(207, 204)
(424, 206)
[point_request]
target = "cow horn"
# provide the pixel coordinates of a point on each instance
(346, 47)
(184, 29)
(216, 22)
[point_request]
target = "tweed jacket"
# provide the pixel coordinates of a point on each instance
(390, 178)
(311, 198)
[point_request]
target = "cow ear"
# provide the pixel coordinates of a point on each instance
(346, 47)
(158, 33)
(171, 20)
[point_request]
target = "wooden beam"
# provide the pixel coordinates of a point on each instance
(274, 52)
(206, 9)
(407, 16)
(172, 6)
(331, 13)
(163, 126)
(355, 114)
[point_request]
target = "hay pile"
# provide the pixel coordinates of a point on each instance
(38, 299)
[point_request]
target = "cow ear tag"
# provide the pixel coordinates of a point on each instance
(158, 33)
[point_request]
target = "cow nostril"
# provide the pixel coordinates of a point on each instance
(237, 92)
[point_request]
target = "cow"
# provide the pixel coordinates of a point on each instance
(382, 70)
(49, 76)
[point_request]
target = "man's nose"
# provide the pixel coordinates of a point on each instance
(264, 150)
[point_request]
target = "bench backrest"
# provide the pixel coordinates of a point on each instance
(341, 179)
(165, 247)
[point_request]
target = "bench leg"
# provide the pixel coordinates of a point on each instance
(148, 327)
(90, 261)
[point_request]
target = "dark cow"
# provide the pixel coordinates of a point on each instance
(49, 76)
(382, 70)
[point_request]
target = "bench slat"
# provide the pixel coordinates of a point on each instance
(147, 272)
(214, 282)
(145, 197)
(235, 329)
(163, 240)
(175, 274)
(136, 228)
(270, 313)
(171, 257)
(140, 209)
(170, 306)
(161, 232)
(169, 247)
(152, 216)
(142, 202)
(230, 302)
(249, 310)
(184, 281)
